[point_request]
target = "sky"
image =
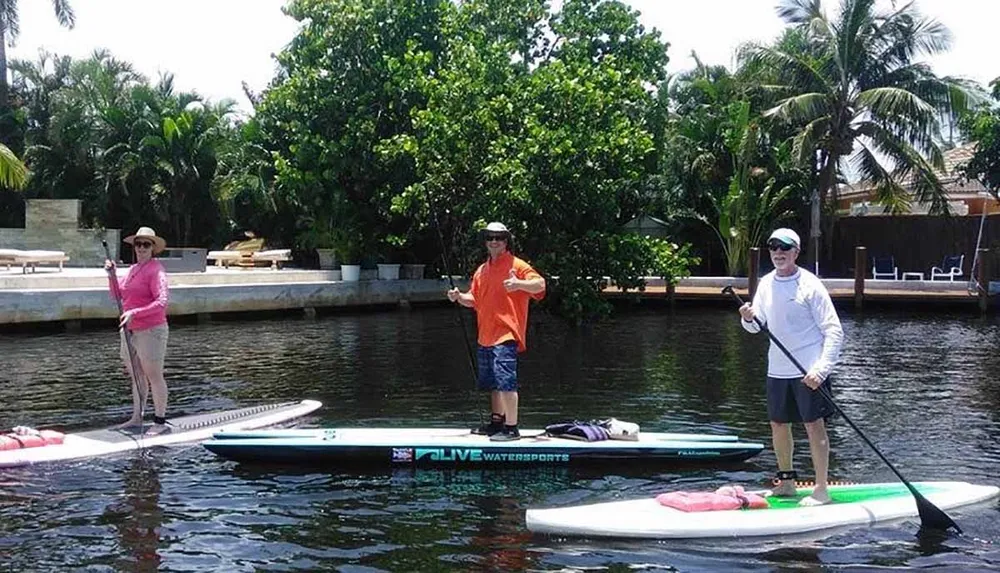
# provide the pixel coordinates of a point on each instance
(213, 46)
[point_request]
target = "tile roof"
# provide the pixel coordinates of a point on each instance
(951, 178)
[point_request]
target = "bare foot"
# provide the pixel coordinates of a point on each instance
(130, 424)
(157, 429)
(786, 488)
(816, 499)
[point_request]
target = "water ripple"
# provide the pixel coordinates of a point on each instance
(921, 387)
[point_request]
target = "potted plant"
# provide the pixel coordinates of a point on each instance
(319, 235)
(390, 257)
(349, 246)
(411, 269)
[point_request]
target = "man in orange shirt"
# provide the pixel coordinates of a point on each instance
(499, 293)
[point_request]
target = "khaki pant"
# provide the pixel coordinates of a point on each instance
(150, 348)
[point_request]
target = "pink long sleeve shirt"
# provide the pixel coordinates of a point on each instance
(143, 290)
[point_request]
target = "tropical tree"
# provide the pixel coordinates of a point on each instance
(334, 101)
(731, 168)
(10, 29)
(542, 120)
(754, 198)
(853, 88)
(132, 152)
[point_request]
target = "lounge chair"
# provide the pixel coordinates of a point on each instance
(885, 268)
(31, 259)
(951, 268)
(239, 253)
(274, 256)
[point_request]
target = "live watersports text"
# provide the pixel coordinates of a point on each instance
(475, 455)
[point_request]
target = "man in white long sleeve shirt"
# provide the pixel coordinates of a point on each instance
(795, 306)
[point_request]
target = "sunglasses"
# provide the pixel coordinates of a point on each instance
(496, 237)
(778, 246)
(142, 245)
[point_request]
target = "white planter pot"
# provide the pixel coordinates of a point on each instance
(327, 259)
(350, 273)
(389, 272)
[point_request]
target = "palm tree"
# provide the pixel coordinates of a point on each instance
(13, 173)
(10, 28)
(851, 87)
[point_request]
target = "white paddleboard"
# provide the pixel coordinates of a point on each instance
(184, 429)
(856, 504)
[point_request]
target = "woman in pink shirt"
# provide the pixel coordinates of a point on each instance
(143, 293)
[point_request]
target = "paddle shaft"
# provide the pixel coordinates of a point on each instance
(132, 356)
(451, 281)
(930, 515)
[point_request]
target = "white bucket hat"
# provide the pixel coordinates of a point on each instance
(148, 233)
(495, 227)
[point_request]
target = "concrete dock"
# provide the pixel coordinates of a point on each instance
(74, 294)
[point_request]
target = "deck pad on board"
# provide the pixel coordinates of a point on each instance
(854, 505)
(458, 446)
(183, 429)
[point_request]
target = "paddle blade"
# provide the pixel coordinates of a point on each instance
(931, 516)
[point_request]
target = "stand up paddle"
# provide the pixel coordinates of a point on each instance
(931, 516)
(132, 356)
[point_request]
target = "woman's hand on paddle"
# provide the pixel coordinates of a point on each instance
(454, 294)
(746, 311)
(812, 380)
(108, 264)
(126, 318)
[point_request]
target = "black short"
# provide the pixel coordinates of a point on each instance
(789, 400)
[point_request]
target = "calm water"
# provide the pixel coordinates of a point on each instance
(924, 388)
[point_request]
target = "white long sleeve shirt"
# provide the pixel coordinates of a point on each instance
(798, 311)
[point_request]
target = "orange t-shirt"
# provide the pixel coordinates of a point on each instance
(502, 315)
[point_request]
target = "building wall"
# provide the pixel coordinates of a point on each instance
(53, 225)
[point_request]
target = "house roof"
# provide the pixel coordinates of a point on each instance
(951, 177)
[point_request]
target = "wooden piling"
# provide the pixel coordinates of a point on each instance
(983, 278)
(860, 267)
(754, 263)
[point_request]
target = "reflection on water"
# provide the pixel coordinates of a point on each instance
(908, 381)
(137, 517)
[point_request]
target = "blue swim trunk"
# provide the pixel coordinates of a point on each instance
(498, 367)
(789, 400)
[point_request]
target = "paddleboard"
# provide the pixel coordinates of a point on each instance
(853, 505)
(459, 447)
(184, 429)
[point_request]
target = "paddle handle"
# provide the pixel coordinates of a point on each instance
(114, 279)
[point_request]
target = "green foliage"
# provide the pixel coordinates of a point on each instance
(334, 101)
(853, 82)
(13, 173)
(135, 153)
(595, 261)
(541, 122)
(982, 127)
(733, 168)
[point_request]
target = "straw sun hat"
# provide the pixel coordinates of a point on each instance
(148, 233)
